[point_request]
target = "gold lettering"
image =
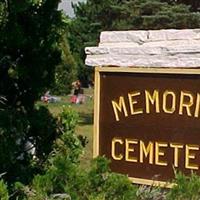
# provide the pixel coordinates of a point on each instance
(189, 156)
(153, 99)
(186, 104)
(173, 104)
(134, 101)
(145, 151)
(114, 141)
(176, 152)
(129, 149)
(159, 153)
(196, 114)
(119, 107)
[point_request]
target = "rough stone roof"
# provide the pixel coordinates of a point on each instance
(152, 48)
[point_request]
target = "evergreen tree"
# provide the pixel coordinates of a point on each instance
(30, 34)
(194, 4)
(92, 17)
(65, 72)
(146, 14)
(95, 16)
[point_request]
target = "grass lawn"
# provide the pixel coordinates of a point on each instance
(85, 124)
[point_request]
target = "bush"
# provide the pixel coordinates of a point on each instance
(14, 127)
(102, 184)
(65, 73)
(185, 188)
(28, 59)
(25, 142)
(3, 191)
(61, 168)
(43, 131)
(145, 192)
(64, 178)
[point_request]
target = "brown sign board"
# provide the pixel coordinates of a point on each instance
(147, 122)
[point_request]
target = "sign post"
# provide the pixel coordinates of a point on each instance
(147, 122)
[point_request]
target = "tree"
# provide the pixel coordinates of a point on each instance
(155, 14)
(29, 50)
(92, 17)
(29, 38)
(66, 71)
(194, 4)
(95, 16)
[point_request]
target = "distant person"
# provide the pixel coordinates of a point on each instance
(46, 96)
(77, 88)
(81, 97)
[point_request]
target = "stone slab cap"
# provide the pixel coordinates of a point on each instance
(152, 48)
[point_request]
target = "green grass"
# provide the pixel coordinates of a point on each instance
(85, 123)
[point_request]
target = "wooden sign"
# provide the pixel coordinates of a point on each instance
(147, 121)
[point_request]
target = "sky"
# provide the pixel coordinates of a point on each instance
(66, 6)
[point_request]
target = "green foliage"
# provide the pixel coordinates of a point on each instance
(3, 14)
(45, 151)
(66, 71)
(31, 32)
(13, 128)
(29, 50)
(68, 143)
(3, 191)
(185, 188)
(43, 131)
(151, 193)
(194, 4)
(158, 15)
(94, 16)
(113, 186)
(63, 176)
(61, 167)
(25, 142)
(68, 118)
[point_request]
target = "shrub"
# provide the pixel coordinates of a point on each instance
(65, 73)
(25, 142)
(64, 178)
(186, 188)
(3, 191)
(151, 193)
(28, 59)
(61, 169)
(14, 127)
